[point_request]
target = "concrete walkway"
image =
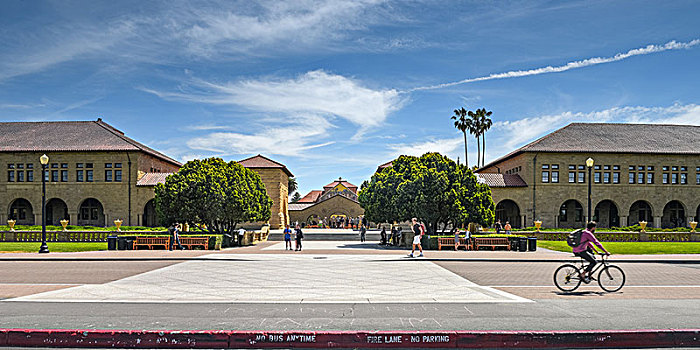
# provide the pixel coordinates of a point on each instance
(288, 279)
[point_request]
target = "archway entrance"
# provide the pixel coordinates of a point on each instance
(21, 211)
(313, 220)
(641, 211)
(91, 213)
(150, 219)
(56, 210)
(508, 211)
(571, 214)
(606, 214)
(674, 215)
(338, 220)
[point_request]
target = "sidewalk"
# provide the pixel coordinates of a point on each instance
(344, 248)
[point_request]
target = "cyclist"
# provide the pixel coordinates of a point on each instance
(585, 248)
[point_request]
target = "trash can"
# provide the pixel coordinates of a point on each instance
(514, 243)
(532, 244)
(121, 243)
(522, 244)
(129, 243)
(111, 242)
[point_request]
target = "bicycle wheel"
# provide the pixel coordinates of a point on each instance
(567, 278)
(611, 278)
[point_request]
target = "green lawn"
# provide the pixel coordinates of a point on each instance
(25, 247)
(633, 247)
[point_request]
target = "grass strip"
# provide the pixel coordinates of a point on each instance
(625, 248)
(57, 247)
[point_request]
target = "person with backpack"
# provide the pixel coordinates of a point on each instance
(507, 228)
(287, 238)
(498, 227)
(582, 243)
(418, 231)
(299, 237)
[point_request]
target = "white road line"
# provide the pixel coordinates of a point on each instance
(48, 284)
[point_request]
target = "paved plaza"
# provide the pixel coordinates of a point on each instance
(288, 279)
(336, 286)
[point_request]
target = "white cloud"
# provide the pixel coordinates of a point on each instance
(289, 140)
(649, 49)
(280, 24)
(314, 93)
(442, 146)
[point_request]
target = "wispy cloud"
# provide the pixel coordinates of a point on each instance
(649, 49)
(315, 93)
(288, 140)
(443, 146)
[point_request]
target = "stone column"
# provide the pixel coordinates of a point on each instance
(73, 217)
(523, 221)
(623, 221)
(556, 221)
(657, 221)
(139, 219)
(37, 218)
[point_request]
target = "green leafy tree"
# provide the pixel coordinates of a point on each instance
(296, 197)
(214, 193)
(432, 188)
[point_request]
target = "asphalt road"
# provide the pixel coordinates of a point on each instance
(655, 296)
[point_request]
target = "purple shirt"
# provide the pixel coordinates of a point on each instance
(587, 239)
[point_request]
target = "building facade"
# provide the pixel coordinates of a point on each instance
(96, 175)
(640, 172)
(91, 179)
(338, 198)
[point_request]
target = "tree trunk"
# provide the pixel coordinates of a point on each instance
(466, 158)
(483, 149)
(478, 152)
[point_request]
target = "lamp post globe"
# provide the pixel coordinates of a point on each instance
(589, 165)
(44, 159)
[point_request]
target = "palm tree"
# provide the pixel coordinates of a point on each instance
(474, 130)
(462, 123)
(292, 184)
(485, 124)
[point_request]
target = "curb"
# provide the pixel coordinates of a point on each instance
(348, 339)
(567, 260)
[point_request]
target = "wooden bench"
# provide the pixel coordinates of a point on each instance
(491, 242)
(150, 242)
(191, 242)
(450, 241)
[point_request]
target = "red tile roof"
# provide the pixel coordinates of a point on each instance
(340, 181)
(501, 180)
(310, 197)
(260, 161)
(152, 179)
(69, 136)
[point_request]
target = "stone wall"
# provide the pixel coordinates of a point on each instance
(276, 181)
(334, 205)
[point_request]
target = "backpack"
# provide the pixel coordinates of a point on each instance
(574, 238)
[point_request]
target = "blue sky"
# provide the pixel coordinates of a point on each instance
(334, 88)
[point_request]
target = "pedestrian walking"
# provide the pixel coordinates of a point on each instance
(399, 235)
(363, 232)
(299, 236)
(241, 234)
(507, 228)
(393, 234)
(418, 231)
(456, 239)
(287, 238)
(382, 236)
(498, 227)
(175, 236)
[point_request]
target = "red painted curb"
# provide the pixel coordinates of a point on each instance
(348, 339)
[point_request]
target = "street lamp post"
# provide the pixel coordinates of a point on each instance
(44, 161)
(589, 165)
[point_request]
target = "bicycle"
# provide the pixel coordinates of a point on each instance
(611, 278)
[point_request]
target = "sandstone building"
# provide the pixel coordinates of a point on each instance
(97, 175)
(641, 172)
(338, 198)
